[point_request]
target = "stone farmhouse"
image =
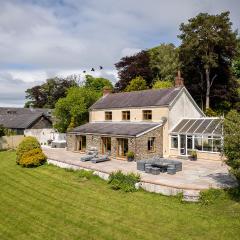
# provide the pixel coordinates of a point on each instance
(165, 122)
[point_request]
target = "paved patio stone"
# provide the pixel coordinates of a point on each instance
(197, 175)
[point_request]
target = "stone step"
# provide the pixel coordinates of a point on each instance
(191, 196)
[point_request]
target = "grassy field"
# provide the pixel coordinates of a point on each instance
(52, 203)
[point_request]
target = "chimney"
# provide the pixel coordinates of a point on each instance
(179, 81)
(106, 91)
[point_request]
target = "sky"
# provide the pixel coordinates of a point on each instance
(40, 39)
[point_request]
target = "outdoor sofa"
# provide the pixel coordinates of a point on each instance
(155, 162)
(102, 158)
(92, 153)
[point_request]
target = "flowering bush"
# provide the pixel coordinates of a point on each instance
(33, 158)
(27, 144)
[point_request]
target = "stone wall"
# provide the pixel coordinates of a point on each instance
(137, 145)
(71, 142)
(141, 145)
(93, 141)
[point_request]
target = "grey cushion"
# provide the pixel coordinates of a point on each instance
(102, 158)
(88, 157)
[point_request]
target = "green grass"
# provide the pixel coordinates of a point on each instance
(51, 203)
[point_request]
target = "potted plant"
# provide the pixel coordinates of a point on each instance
(130, 156)
(193, 156)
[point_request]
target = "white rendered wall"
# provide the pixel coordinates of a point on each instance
(42, 135)
(183, 108)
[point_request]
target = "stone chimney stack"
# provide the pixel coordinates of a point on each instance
(179, 81)
(106, 91)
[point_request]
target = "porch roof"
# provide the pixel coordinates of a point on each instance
(199, 126)
(115, 129)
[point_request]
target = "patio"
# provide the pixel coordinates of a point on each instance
(196, 175)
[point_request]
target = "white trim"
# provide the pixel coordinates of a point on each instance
(207, 127)
(216, 127)
(184, 125)
(188, 118)
(198, 127)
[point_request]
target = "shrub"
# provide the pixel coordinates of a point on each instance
(85, 174)
(2, 130)
(209, 196)
(33, 158)
(118, 180)
(130, 154)
(194, 154)
(232, 142)
(27, 144)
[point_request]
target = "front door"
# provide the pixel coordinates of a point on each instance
(183, 145)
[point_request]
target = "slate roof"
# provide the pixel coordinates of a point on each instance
(9, 110)
(146, 98)
(115, 129)
(21, 118)
(199, 126)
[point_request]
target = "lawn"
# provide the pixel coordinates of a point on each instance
(52, 203)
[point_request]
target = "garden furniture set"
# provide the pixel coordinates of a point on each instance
(92, 155)
(157, 165)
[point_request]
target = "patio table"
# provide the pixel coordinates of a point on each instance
(163, 166)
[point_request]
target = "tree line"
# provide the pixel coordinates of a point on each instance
(208, 58)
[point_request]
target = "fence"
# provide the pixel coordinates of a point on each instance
(10, 142)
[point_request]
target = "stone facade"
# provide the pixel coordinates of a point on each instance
(93, 142)
(137, 145)
(141, 145)
(71, 142)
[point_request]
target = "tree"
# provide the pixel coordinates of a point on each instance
(97, 84)
(164, 62)
(132, 67)
(2, 130)
(236, 62)
(162, 84)
(137, 84)
(47, 94)
(232, 142)
(206, 53)
(72, 110)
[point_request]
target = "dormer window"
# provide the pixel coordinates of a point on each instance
(108, 116)
(125, 115)
(147, 115)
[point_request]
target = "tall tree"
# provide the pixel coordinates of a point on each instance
(47, 94)
(232, 142)
(98, 83)
(162, 84)
(137, 84)
(132, 67)
(206, 52)
(72, 110)
(164, 62)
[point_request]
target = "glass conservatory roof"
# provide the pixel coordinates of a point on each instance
(199, 126)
